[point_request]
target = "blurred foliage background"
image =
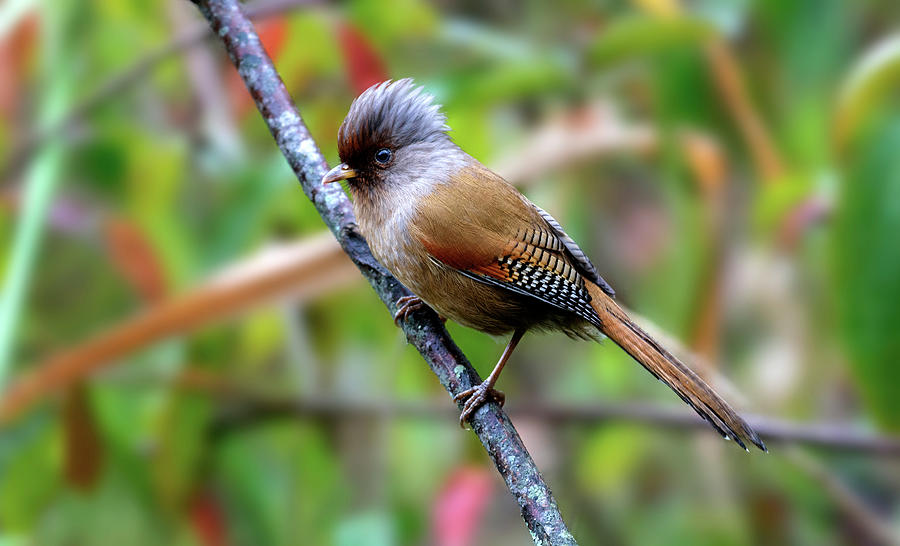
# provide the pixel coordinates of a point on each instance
(731, 166)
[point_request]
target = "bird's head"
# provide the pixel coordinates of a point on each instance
(394, 133)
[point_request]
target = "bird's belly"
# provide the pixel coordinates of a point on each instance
(455, 296)
(469, 302)
(481, 306)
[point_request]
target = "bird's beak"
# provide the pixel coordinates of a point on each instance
(341, 172)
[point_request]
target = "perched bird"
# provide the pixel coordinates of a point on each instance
(477, 251)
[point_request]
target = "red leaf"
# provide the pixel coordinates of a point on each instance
(459, 506)
(207, 519)
(364, 65)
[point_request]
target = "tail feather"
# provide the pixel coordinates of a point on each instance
(616, 325)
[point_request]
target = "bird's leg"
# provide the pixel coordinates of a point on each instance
(481, 393)
(405, 306)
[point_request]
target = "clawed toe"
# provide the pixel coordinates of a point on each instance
(405, 306)
(463, 395)
(475, 398)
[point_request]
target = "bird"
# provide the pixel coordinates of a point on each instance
(469, 245)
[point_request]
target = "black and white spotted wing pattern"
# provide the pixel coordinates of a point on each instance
(536, 264)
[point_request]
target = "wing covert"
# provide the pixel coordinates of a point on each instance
(484, 228)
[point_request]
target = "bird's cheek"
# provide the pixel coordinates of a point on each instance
(360, 185)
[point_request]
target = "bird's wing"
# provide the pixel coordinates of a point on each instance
(483, 227)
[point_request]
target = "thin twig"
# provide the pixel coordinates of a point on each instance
(424, 331)
(250, 410)
(872, 524)
(728, 79)
(113, 87)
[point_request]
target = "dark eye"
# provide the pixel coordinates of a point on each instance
(383, 156)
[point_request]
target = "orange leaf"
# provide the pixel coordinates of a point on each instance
(364, 65)
(272, 34)
(15, 54)
(135, 258)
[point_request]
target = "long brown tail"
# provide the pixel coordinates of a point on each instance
(668, 369)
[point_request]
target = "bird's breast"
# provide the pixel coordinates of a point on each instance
(453, 295)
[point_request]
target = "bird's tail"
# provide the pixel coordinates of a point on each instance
(664, 366)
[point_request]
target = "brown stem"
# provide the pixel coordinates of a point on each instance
(731, 87)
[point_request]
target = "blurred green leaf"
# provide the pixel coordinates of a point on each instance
(29, 471)
(372, 528)
(488, 42)
(802, 50)
(635, 36)
(156, 172)
(280, 482)
(774, 201)
(393, 21)
(298, 64)
(40, 182)
(867, 265)
(874, 77)
(182, 440)
(509, 81)
(111, 514)
(608, 458)
(728, 16)
(236, 221)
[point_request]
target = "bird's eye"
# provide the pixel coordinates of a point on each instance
(383, 156)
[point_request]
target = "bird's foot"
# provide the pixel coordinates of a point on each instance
(405, 306)
(476, 397)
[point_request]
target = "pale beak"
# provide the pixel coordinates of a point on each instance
(341, 172)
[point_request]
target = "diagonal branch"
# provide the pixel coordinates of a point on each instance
(425, 331)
